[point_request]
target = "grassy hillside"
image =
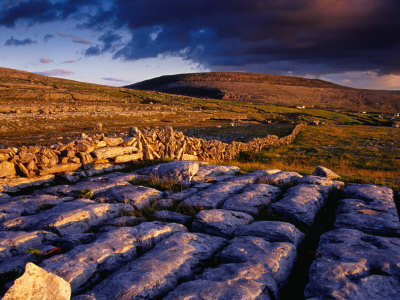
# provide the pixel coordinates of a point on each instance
(274, 89)
(361, 147)
(40, 109)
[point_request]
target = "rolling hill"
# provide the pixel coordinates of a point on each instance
(36, 109)
(274, 89)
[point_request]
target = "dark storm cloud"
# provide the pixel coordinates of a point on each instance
(40, 11)
(109, 43)
(15, 42)
(302, 36)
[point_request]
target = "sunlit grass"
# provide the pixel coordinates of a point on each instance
(362, 154)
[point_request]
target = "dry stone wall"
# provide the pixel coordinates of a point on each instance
(90, 154)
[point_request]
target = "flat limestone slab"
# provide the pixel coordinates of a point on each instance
(283, 178)
(300, 204)
(17, 242)
(180, 172)
(369, 208)
(137, 196)
(369, 192)
(18, 184)
(369, 217)
(323, 181)
(95, 184)
(159, 270)
(220, 222)
(251, 269)
(277, 258)
(242, 281)
(253, 198)
(29, 205)
(210, 172)
(69, 217)
(109, 252)
(355, 265)
(216, 194)
(272, 231)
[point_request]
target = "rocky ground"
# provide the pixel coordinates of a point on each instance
(223, 234)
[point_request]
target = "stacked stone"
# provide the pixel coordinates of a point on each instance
(89, 155)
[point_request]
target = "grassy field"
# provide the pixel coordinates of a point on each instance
(359, 146)
(365, 154)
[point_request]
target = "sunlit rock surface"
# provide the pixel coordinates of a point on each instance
(354, 265)
(300, 204)
(201, 232)
(220, 222)
(160, 269)
(37, 284)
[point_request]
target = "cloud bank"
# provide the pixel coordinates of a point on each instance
(277, 36)
(15, 42)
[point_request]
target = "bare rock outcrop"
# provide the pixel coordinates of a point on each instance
(110, 247)
(37, 284)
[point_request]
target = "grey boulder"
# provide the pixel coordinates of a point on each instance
(325, 172)
(37, 284)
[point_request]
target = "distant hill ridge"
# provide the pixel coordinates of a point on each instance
(273, 89)
(241, 77)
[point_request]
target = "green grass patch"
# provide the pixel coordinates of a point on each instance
(365, 154)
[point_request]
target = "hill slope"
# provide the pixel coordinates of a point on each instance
(274, 89)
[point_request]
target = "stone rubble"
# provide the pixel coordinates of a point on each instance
(223, 235)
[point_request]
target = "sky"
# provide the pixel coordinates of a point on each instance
(118, 42)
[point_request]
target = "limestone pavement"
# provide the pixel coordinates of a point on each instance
(223, 235)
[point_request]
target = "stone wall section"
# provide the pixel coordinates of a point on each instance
(89, 154)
